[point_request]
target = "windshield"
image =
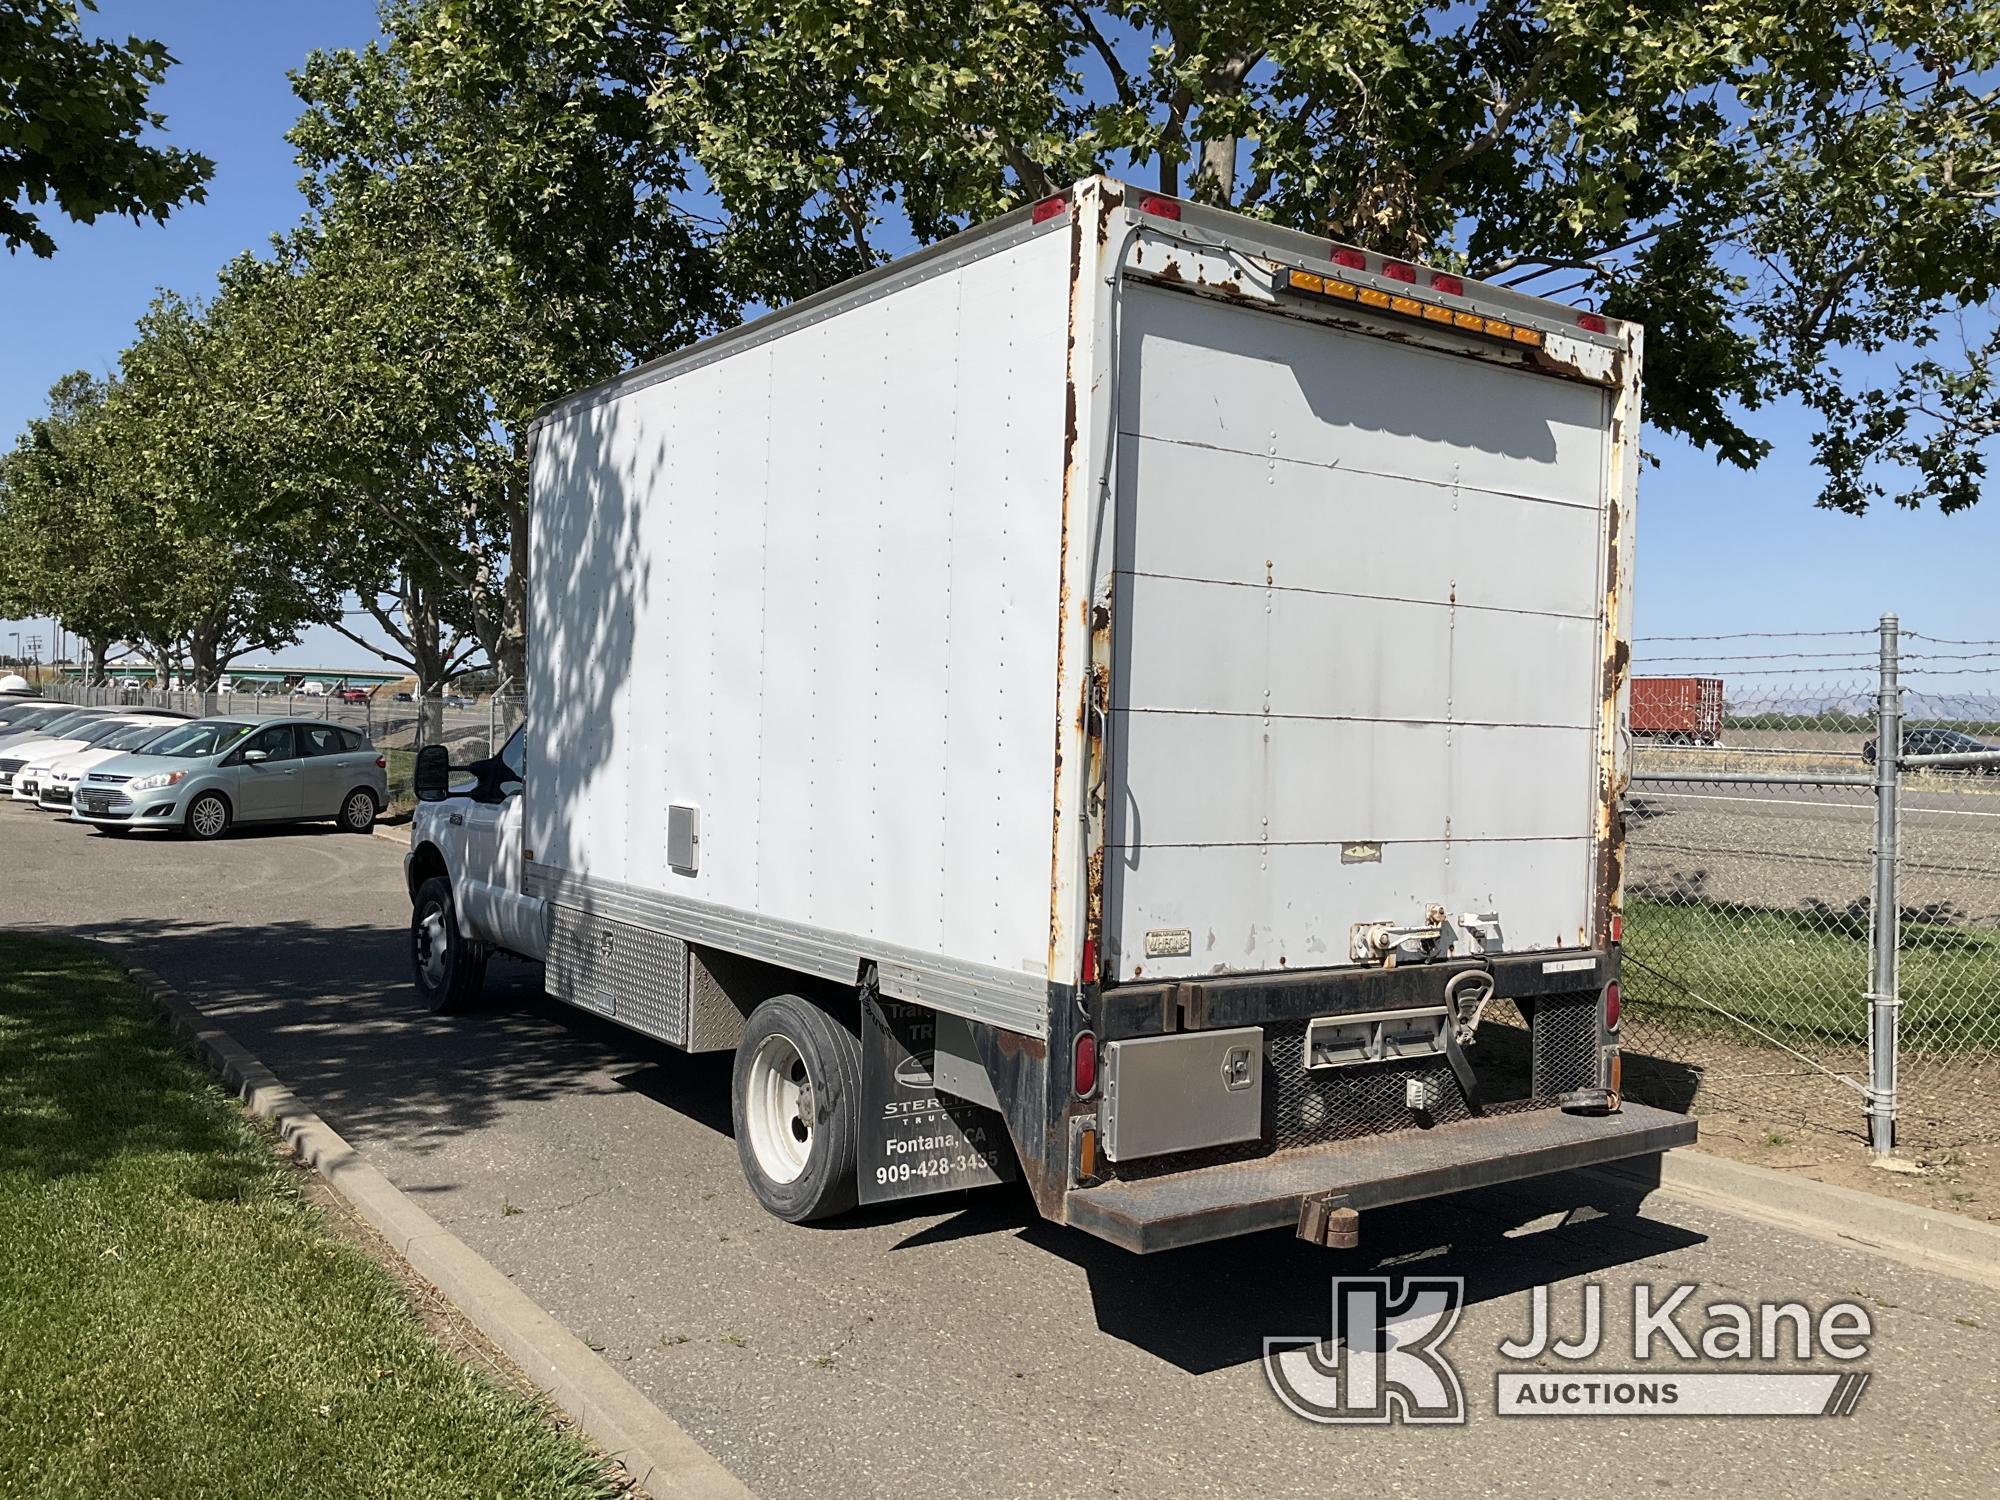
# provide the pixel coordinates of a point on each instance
(33, 718)
(98, 733)
(134, 736)
(201, 739)
(60, 726)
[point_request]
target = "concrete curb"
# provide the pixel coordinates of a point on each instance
(395, 833)
(667, 1463)
(1924, 1237)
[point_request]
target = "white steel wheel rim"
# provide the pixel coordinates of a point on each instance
(359, 808)
(432, 944)
(779, 1109)
(208, 817)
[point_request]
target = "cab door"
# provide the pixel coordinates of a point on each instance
(491, 901)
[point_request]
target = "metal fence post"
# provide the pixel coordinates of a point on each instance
(1885, 924)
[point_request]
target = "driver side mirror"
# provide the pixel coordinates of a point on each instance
(432, 775)
(255, 757)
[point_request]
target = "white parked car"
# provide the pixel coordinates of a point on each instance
(28, 761)
(312, 690)
(55, 786)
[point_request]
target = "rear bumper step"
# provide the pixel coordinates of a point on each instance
(1212, 1203)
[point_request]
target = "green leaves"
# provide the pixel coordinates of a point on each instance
(1769, 190)
(72, 116)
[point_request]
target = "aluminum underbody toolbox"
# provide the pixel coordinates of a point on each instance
(1209, 1203)
(1183, 1092)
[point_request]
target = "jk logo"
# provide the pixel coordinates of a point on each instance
(1385, 1362)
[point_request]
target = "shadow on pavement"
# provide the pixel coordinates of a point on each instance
(1210, 1307)
(331, 1011)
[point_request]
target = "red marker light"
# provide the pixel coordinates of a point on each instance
(1090, 960)
(1354, 260)
(1611, 1006)
(1592, 323)
(1451, 286)
(1159, 208)
(1618, 927)
(1084, 1075)
(1049, 208)
(1395, 270)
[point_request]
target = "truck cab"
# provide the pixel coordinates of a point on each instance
(464, 872)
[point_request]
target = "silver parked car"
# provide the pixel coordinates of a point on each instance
(215, 773)
(17, 724)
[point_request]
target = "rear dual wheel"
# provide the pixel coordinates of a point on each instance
(796, 1101)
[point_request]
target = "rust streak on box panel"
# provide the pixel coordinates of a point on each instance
(1610, 875)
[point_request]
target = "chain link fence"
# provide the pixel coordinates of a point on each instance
(397, 722)
(1752, 919)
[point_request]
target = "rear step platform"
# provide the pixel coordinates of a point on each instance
(1212, 1203)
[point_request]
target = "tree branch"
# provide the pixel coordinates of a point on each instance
(1120, 79)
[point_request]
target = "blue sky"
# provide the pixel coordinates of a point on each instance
(1718, 550)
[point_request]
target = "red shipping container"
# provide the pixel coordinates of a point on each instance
(1683, 710)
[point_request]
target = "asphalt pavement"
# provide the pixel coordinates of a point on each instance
(962, 1346)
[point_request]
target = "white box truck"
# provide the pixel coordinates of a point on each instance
(1127, 696)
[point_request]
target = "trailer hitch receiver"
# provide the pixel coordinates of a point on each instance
(1326, 1219)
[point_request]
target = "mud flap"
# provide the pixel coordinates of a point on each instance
(915, 1140)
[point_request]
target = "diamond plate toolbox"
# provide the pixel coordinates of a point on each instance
(636, 976)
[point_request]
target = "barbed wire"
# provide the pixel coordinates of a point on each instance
(1847, 656)
(1945, 640)
(1768, 635)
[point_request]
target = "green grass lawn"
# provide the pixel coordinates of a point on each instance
(1804, 975)
(174, 1321)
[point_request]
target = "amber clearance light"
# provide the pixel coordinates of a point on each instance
(1305, 283)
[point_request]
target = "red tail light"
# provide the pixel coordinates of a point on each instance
(1395, 270)
(1090, 960)
(1160, 208)
(1354, 260)
(1612, 1006)
(1451, 286)
(1083, 1076)
(1049, 208)
(1617, 927)
(381, 762)
(1592, 323)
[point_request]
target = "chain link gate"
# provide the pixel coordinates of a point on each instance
(1812, 929)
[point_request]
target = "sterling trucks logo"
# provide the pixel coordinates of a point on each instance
(1386, 1361)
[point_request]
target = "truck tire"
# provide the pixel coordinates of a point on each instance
(450, 969)
(796, 1102)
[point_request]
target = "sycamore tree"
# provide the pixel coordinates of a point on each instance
(203, 452)
(475, 253)
(74, 114)
(1799, 202)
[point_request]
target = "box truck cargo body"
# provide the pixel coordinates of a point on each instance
(1135, 683)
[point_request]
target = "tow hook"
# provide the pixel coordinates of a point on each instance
(1325, 1219)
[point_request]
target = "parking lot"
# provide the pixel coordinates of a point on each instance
(959, 1345)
